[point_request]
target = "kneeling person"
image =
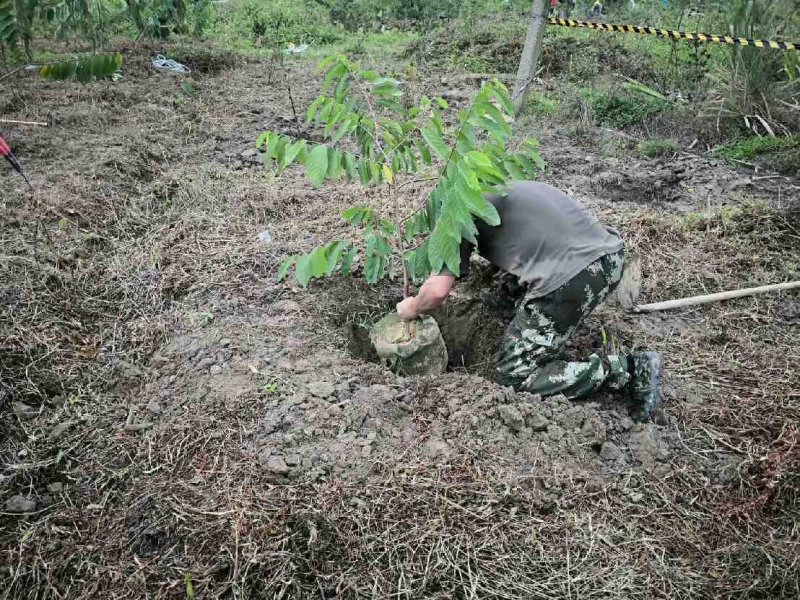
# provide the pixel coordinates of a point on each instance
(559, 264)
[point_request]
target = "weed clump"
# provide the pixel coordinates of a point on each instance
(539, 104)
(623, 109)
(781, 154)
(656, 147)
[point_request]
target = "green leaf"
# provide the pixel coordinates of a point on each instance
(319, 261)
(410, 159)
(334, 73)
(386, 87)
(341, 89)
(323, 115)
(443, 248)
(335, 250)
(527, 166)
(313, 107)
(283, 270)
(442, 103)
(387, 91)
(435, 141)
(347, 261)
(456, 216)
(371, 242)
(387, 227)
(476, 203)
(531, 147)
(364, 172)
(499, 92)
(370, 76)
(419, 267)
(349, 165)
(424, 153)
(374, 267)
(188, 586)
(483, 165)
(513, 169)
(280, 151)
(375, 172)
(292, 151)
(273, 143)
(490, 111)
(85, 69)
(417, 224)
(348, 122)
(336, 113)
(392, 105)
(303, 270)
(491, 127)
(317, 165)
(383, 247)
(262, 139)
(334, 164)
(354, 215)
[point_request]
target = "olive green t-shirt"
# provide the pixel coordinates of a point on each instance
(545, 237)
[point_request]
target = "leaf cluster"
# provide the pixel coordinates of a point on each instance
(376, 136)
(85, 69)
(16, 26)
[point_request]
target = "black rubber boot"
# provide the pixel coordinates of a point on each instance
(645, 384)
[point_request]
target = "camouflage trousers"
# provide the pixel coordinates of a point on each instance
(540, 328)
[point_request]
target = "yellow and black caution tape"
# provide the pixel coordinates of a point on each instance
(677, 35)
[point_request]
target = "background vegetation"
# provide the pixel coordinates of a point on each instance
(711, 92)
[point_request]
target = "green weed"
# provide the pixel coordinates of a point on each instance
(622, 109)
(271, 387)
(656, 147)
(539, 104)
(254, 24)
(781, 154)
(750, 148)
(754, 82)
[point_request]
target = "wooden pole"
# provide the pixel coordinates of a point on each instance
(530, 54)
(695, 300)
(43, 123)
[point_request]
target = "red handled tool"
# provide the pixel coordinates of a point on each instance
(5, 150)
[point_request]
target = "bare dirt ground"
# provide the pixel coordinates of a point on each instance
(176, 423)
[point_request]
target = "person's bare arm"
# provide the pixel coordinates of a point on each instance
(431, 295)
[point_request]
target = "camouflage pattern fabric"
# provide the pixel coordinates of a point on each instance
(540, 328)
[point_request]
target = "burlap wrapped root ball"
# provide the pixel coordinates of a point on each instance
(421, 353)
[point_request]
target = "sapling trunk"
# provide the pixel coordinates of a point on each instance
(401, 242)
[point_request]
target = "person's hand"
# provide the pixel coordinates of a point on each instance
(407, 309)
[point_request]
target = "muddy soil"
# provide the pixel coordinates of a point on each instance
(169, 410)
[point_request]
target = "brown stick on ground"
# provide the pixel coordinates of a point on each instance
(695, 300)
